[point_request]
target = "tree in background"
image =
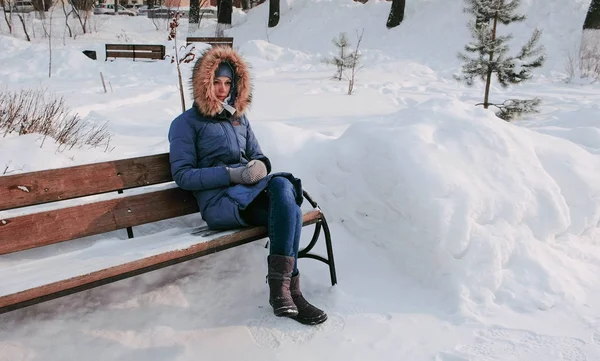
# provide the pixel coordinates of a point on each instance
(592, 19)
(23, 24)
(82, 10)
(67, 14)
(346, 60)
(42, 5)
(224, 10)
(194, 16)
(273, 13)
(589, 50)
(341, 60)
(491, 57)
(177, 58)
(396, 13)
(354, 63)
(85, 5)
(4, 4)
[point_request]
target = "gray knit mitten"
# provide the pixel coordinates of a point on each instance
(254, 171)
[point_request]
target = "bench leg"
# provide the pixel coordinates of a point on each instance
(129, 229)
(329, 247)
(322, 224)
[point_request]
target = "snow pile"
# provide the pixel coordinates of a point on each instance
(580, 126)
(432, 32)
(23, 61)
(496, 212)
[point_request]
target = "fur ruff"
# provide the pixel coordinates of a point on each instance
(203, 76)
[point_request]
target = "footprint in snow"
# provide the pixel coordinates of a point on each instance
(271, 332)
(596, 337)
(498, 343)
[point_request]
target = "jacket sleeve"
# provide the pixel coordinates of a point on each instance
(253, 148)
(184, 161)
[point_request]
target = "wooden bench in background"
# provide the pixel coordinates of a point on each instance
(135, 51)
(212, 41)
(152, 196)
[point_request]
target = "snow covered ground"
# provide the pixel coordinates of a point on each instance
(457, 236)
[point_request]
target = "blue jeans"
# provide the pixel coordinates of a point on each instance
(276, 208)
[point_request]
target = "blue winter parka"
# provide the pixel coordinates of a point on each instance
(206, 139)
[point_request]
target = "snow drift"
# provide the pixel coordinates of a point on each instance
(432, 32)
(494, 211)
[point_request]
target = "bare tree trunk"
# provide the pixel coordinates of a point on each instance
(50, 45)
(488, 79)
(40, 10)
(194, 16)
(354, 68)
(67, 18)
(82, 22)
(396, 13)
(24, 26)
(273, 13)
(8, 22)
(41, 5)
(181, 94)
(224, 10)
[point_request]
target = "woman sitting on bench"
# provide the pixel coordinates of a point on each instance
(214, 154)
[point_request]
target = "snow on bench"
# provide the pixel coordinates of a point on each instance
(45, 208)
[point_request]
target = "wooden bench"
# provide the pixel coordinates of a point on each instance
(212, 41)
(124, 194)
(135, 51)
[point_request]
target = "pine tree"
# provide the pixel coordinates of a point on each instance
(342, 60)
(491, 50)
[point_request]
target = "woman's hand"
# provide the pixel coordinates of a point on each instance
(254, 171)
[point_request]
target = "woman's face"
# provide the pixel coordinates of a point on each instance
(222, 86)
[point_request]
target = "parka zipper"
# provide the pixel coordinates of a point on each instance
(237, 142)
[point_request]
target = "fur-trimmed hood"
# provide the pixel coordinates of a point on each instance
(203, 76)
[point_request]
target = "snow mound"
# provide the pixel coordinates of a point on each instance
(458, 197)
(263, 50)
(9, 44)
(30, 62)
(580, 126)
(31, 152)
(435, 44)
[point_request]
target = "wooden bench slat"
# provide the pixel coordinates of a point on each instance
(210, 40)
(137, 55)
(44, 228)
(73, 182)
(107, 275)
(135, 51)
(144, 47)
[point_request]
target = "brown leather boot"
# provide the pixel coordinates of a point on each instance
(307, 313)
(279, 278)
